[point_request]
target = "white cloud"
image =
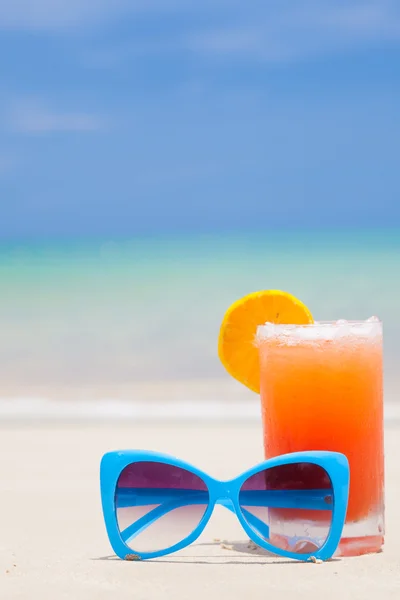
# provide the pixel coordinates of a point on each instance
(269, 30)
(291, 30)
(263, 30)
(33, 117)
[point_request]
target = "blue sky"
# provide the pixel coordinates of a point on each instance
(135, 116)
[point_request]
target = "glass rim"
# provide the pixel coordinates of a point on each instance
(289, 327)
(337, 322)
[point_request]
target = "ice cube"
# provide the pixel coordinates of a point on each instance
(374, 326)
(343, 328)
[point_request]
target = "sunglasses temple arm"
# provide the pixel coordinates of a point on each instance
(317, 499)
(301, 499)
(133, 530)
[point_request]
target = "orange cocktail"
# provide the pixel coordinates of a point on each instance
(321, 389)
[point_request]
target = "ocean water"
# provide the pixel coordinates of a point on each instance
(116, 314)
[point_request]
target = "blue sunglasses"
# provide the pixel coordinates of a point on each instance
(292, 505)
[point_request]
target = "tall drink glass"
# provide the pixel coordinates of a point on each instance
(321, 389)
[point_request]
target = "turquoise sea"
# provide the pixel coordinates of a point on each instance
(148, 309)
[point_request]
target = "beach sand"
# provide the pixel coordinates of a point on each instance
(53, 543)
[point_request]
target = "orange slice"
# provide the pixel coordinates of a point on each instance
(236, 348)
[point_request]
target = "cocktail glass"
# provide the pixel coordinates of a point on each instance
(321, 389)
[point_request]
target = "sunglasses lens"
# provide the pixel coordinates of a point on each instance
(158, 505)
(289, 506)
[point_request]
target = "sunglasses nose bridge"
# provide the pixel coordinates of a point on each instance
(223, 492)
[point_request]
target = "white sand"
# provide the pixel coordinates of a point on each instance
(53, 543)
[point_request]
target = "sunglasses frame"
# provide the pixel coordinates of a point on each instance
(335, 464)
